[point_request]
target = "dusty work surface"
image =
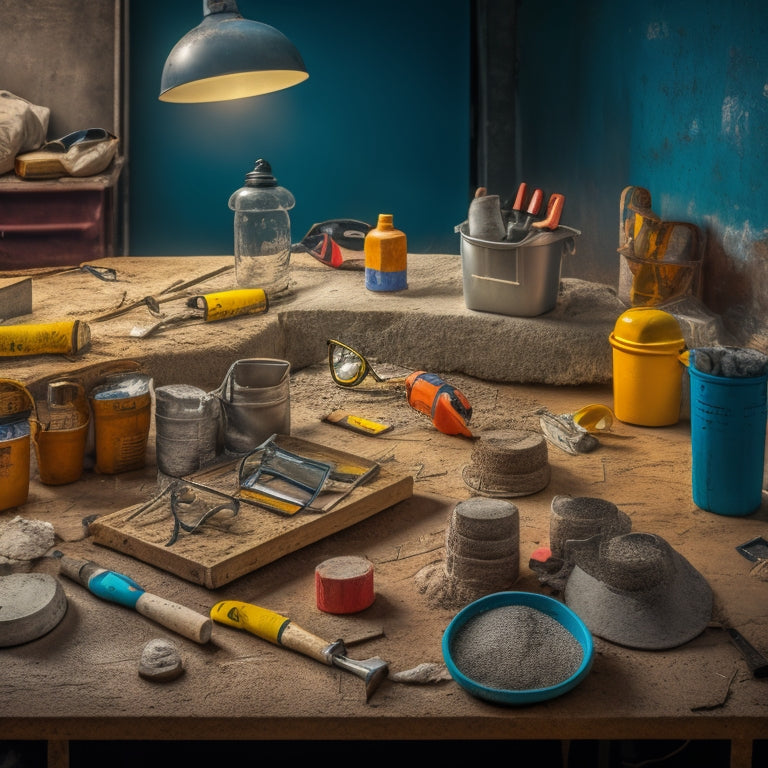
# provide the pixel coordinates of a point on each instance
(81, 680)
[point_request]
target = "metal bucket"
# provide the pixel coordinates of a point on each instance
(521, 279)
(255, 399)
(187, 424)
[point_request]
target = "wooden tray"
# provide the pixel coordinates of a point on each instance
(227, 546)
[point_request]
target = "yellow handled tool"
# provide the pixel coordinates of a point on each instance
(280, 630)
(63, 337)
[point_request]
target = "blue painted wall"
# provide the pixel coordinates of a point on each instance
(381, 126)
(671, 96)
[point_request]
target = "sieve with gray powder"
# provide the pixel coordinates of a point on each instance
(515, 648)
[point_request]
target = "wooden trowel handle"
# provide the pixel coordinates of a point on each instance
(273, 627)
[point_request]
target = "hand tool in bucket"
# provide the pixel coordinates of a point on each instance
(551, 218)
(280, 630)
(516, 231)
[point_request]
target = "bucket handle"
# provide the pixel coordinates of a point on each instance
(226, 383)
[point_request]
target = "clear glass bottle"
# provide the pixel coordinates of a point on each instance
(262, 231)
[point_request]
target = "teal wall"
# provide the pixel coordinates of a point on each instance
(380, 126)
(670, 96)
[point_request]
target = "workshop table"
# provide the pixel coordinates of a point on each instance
(80, 681)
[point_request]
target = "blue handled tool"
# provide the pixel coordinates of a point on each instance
(121, 589)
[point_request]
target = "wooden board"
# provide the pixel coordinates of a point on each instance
(227, 546)
(15, 297)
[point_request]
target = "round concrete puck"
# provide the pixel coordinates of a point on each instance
(31, 605)
(344, 584)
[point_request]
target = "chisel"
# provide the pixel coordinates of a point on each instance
(121, 589)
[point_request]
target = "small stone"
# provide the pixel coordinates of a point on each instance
(22, 539)
(160, 661)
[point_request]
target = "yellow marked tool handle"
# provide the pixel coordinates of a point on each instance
(235, 303)
(67, 337)
(273, 627)
(357, 423)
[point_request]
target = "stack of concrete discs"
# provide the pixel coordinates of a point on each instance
(483, 545)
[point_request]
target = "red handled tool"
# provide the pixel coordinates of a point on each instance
(448, 408)
(517, 231)
(517, 206)
(551, 218)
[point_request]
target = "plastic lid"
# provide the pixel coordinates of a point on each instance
(646, 325)
(261, 192)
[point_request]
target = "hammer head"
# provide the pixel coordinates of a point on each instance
(372, 670)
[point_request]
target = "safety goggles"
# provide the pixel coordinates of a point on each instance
(349, 368)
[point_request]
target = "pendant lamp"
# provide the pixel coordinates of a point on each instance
(228, 57)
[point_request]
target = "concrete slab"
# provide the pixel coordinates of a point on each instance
(426, 327)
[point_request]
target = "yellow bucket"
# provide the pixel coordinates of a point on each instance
(16, 404)
(647, 369)
(121, 425)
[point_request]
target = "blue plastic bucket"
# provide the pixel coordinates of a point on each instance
(728, 425)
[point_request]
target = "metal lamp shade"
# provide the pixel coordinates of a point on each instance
(228, 57)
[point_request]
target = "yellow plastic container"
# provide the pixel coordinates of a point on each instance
(16, 404)
(647, 370)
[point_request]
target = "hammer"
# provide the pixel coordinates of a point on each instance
(280, 630)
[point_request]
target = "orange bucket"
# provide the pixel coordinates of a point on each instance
(16, 404)
(122, 414)
(60, 453)
(14, 472)
(60, 433)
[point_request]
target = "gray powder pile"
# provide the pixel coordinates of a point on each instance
(516, 648)
(731, 362)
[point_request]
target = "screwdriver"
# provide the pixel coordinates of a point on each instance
(121, 589)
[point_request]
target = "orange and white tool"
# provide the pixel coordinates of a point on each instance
(551, 218)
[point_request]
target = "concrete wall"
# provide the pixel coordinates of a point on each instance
(410, 107)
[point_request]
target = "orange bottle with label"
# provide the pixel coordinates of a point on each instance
(386, 257)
